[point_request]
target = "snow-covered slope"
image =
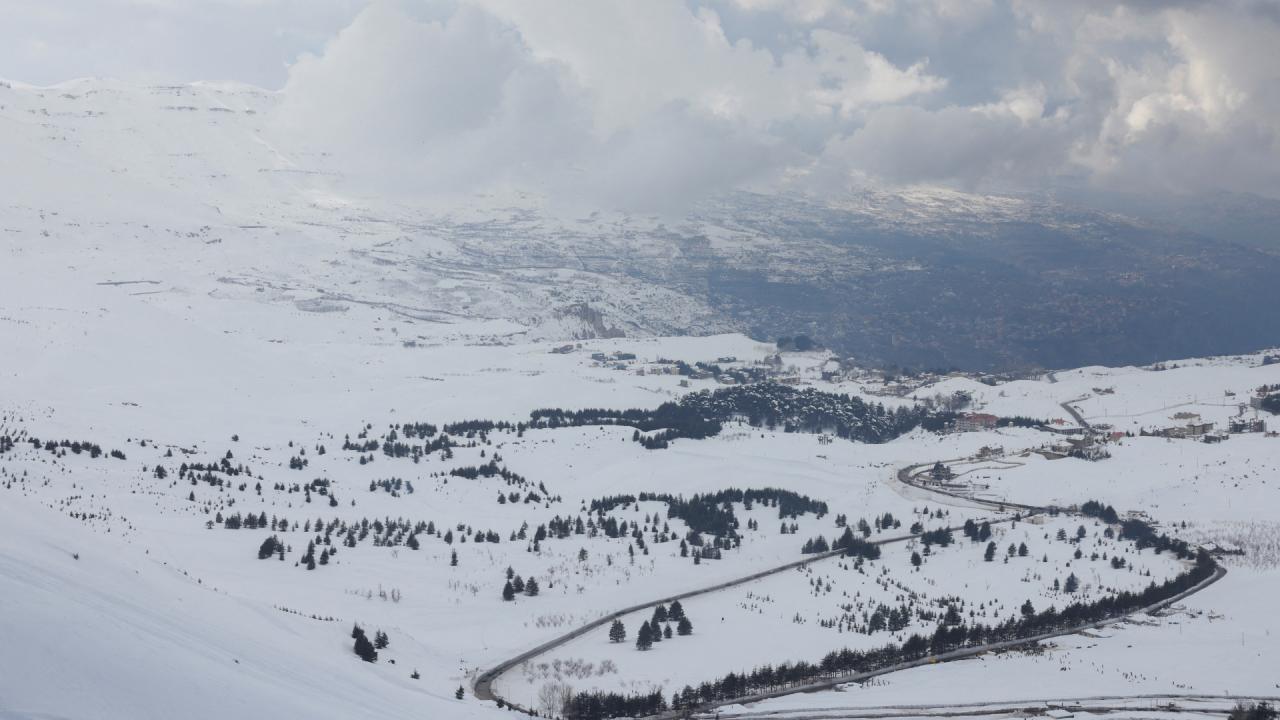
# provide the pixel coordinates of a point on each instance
(253, 338)
(198, 187)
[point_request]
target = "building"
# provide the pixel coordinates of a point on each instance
(1247, 425)
(1199, 429)
(975, 422)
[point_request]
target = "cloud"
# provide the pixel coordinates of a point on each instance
(650, 106)
(635, 107)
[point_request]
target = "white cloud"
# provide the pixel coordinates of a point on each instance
(639, 107)
(653, 104)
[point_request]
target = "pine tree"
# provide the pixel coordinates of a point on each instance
(268, 547)
(1028, 609)
(453, 560)
(915, 559)
(617, 632)
(990, 554)
(365, 649)
(666, 632)
(460, 692)
(1072, 584)
(508, 592)
(380, 640)
(676, 611)
(644, 638)
(684, 627)
(531, 588)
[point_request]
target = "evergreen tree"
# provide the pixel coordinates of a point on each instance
(676, 611)
(684, 627)
(453, 559)
(617, 632)
(380, 640)
(915, 559)
(460, 692)
(660, 614)
(531, 588)
(268, 547)
(365, 649)
(990, 554)
(1072, 584)
(644, 638)
(508, 592)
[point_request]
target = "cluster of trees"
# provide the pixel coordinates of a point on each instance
(857, 547)
(938, 536)
(766, 404)
(712, 513)
(1021, 421)
(392, 446)
(309, 557)
(776, 405)
(271, 546)
(1271, 404)
(368, 650)
(657, 629)
(1137, 530)
(1253, 711)
(946, 637)
(675, 419)
(493, 469)
(60, 447)
(852, 545)
(976, 532)
(1105, 513)
(394, 485)
(517, 585)
(799, 343)
(599, 705)
(385, 532)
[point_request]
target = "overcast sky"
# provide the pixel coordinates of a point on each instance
(650, 102)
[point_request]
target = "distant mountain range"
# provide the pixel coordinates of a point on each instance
(188, 187)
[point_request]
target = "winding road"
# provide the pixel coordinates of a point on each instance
(483, 684)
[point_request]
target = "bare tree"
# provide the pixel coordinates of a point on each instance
(553, 697)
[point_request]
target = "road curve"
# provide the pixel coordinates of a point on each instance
(483, 684)
(1218, 573)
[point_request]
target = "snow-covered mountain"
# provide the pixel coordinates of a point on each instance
(196, 188)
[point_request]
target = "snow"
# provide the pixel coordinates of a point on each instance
(278, 313)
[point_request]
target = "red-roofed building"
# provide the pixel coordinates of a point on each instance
(975, 422)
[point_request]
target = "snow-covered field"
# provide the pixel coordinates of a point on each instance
(241, 339)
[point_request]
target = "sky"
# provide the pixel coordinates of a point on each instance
(654, 103)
